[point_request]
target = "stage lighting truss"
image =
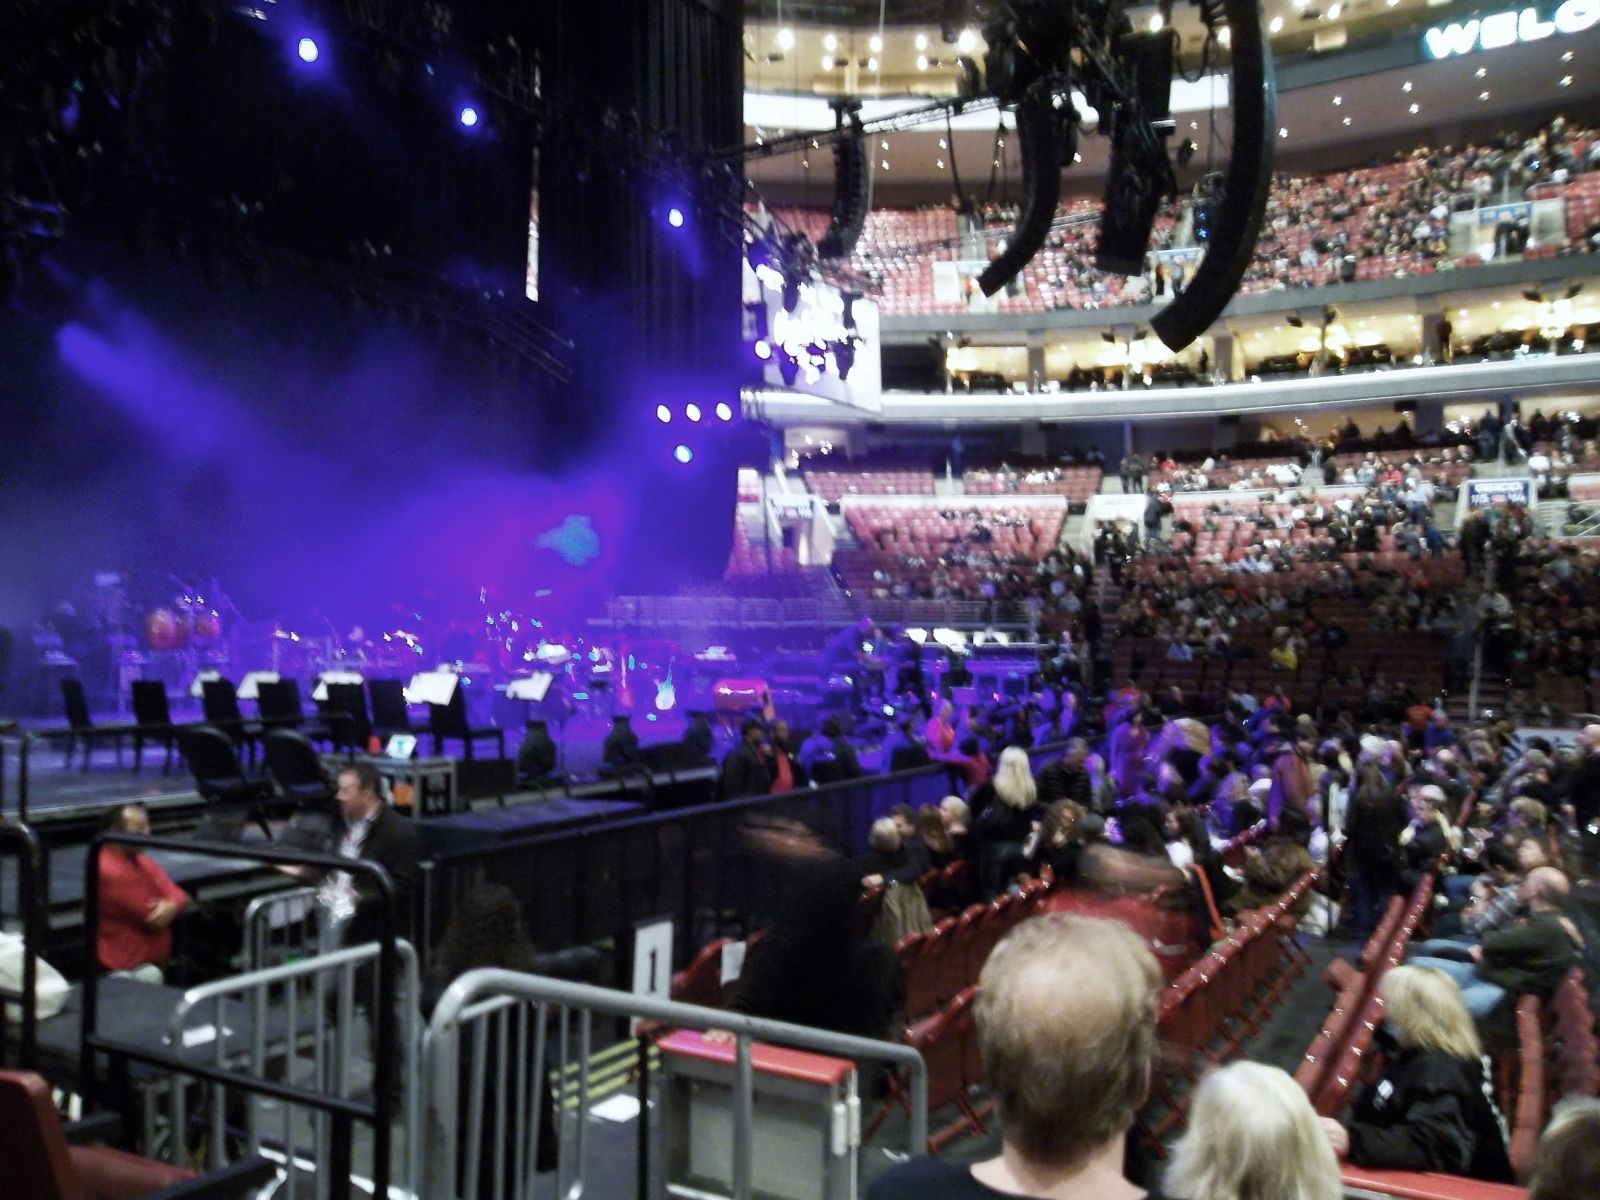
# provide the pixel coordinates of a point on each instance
(1041, 53)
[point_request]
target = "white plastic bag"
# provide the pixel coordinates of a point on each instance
(51, 989)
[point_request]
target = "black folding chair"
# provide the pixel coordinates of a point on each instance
(293, 764)
(389, 713)
(81, 725)
(448, 722)
(152, 716)
(278, 704)
(345, 711)
(231, 796)
(220, 702)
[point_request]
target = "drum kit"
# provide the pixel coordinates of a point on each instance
(188, 621)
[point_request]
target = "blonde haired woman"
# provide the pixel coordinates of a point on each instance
(1431, 1110)
(1252, 1135)
(1006, 822)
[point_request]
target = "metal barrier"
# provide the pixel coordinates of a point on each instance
(281, 926)
(595, 883)
(289, 1008)
(385, 956)
(502, 1095)
(31, 909)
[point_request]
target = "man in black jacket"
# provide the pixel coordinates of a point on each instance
(372, 831)
(745, 771)
(1068, 778)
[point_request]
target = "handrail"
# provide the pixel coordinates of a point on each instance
(440, 1049)
(235, 986)
(31, 906)
(385, 1068)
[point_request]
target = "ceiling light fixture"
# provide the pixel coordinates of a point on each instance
(872, 63)
(830, 43)
(875, 44)
(786, 39)
(967, 41)
(1406, 86)
(1337, 101)
(1483, 95)
(1335, 11)
(922, 41)
(1156, 23)
(922, 62)
(1276, 26)
(827, 62)
(1283, 133)
(1347, 120)
(1415, 109)
(1481, 72)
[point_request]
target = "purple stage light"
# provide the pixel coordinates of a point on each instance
(663, 413)
(724, 411)
(683, 454)
(308, 50)
(469, 116)
(675, 217)
(763, 349)
(692, 411)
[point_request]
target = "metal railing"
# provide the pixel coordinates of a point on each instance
(501, 1096)
(341, 1111)
(281, 926)
(287, 1008)
(726, 612)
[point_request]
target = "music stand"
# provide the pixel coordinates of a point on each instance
(432, 687)
(250, 685)
(320, 692)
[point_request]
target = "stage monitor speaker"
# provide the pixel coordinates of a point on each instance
(1236, 221)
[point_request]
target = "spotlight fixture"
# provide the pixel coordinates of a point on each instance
(675, 217)
(663, 413)
(682, 453)
(724, 411)
(308, 50)
(468, 116)
(692, 411)
(763, 349)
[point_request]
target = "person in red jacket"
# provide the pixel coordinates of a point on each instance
(138, 904)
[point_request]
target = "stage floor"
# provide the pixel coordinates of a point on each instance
(57, 791)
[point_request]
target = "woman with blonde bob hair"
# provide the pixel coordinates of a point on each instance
(1252, 1135)
(1431, 1109)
